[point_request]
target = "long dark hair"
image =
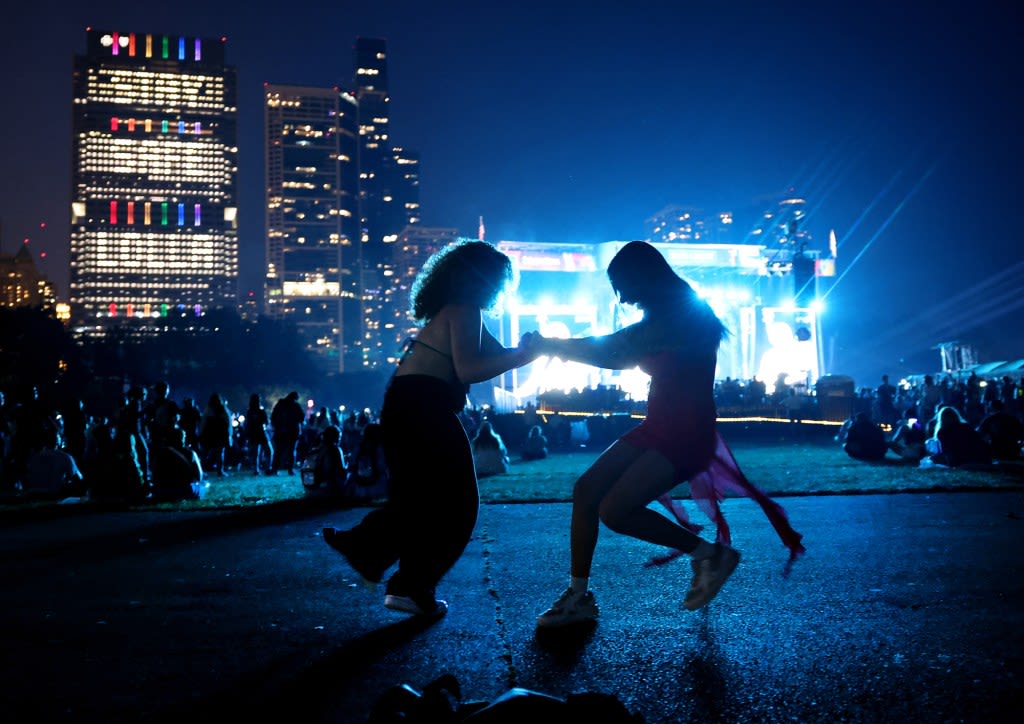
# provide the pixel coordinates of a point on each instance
(640, 275)
(464, 272)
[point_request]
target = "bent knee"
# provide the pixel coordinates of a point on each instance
(587, 493)
(615, 518)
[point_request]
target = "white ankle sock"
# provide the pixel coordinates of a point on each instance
(702, 551)
(579, 584)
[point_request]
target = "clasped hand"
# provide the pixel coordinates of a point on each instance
(534, 343)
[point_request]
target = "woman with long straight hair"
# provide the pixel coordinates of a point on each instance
(676, 343)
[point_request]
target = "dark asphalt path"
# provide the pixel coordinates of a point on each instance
(906, 608)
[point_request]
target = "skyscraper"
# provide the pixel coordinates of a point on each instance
(339, 197)
(371, 90)
(154, 179)
(388, 201)
(312, 208)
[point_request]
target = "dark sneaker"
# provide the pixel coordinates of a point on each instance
(710, 574)
(339, 541)
(416, 605)
(570, 608)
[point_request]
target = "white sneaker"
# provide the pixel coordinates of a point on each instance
(427, 608)
(570, 608)
(710, 574)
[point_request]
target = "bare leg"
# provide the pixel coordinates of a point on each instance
(589, 491)
(623, 507)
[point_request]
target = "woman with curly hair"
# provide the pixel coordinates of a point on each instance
(433, 500)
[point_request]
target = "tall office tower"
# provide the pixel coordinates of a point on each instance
(402, 197)
(371, 89)
(312, 216)
(154, 180)
(388, 199)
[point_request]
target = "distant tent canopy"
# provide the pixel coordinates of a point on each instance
(1009, 368)
(997, 369)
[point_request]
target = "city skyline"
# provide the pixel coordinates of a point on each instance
(565, 127)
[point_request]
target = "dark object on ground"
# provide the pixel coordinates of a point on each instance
(441, 703)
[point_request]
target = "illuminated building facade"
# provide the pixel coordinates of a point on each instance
(340, 197)
(21, 283)
(388, 200)
(371, 90)
(312, 220)
(154, 180)
(408, 254)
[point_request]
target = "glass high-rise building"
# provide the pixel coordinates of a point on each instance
(371, 90)
(154, 179)
(339, 196)
(389, 201)
(312, 217)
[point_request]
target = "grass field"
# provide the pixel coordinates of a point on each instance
(778, 466)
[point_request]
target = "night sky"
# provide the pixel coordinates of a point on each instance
(572, 121)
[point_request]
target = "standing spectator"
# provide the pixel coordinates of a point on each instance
(286, 420)
(215, 434)
(129, 424)
(425, 528)
(74, 429)
(1008, 394)
(162, 415)
(256, 420)
(190, 417)
(931, 399)
(885, 400)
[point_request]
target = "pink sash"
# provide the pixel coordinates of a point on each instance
(709, 488)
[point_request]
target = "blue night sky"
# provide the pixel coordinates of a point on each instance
(562, 121)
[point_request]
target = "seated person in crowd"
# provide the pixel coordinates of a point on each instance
(536, 445)
(489, 451)
(864, 439)
(175, 469)
(908, 437)
(324, 470)
(955, 442)
(114, 472)
(368, 475)
(1003, 432)
(51, 472)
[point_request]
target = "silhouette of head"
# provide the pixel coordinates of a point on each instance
(465, 272)
(331, 435)
(640, 275)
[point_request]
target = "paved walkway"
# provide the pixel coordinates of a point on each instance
(906, 608)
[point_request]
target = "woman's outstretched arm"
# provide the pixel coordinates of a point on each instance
(616, 351)
(476, 354)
